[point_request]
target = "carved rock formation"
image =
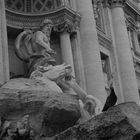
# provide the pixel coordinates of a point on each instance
(49, 112)
(121, 122)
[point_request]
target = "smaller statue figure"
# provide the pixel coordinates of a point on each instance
(89, 105)
(23, 125)
(90, 108)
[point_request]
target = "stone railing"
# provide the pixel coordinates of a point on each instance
(36, 6)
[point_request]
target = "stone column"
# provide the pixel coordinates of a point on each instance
(66, 50)
(78, 61)
(113, 55)
(123, 50)
(138, 3)
(4, 60)
(90, 51)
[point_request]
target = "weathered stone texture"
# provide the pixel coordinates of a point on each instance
(47, 109)
(118, 123)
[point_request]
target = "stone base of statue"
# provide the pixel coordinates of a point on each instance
(50, 111)
(121, 122)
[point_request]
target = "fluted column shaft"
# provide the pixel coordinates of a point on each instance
(78, 61)
(66, 49)
(4, 60)
(90, 51)
(123, 49)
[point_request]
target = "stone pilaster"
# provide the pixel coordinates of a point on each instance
(90, 51)
(66, 49)
(73, 4)
(4, 60)
(123, 52)
(138, 3)
(78, 61)
(113, 55)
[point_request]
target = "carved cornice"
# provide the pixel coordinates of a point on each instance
(133, 6)
(114, 3)
(130, 23)
(64, 27)
(104, 40)
(63, 19)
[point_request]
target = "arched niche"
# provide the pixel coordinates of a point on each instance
(20, 18)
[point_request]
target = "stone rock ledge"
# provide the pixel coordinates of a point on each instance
(50, 112)
(121, 122)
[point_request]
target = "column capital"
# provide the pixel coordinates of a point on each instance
(65, 27)
(67, 24)
(114, 3)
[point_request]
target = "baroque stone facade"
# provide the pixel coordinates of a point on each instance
(100, 39)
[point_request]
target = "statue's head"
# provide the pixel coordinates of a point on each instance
(55, 72)
(46, 26)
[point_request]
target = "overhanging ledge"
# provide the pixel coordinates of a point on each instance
(61, 17)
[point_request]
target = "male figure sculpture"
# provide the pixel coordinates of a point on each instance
(34, 48)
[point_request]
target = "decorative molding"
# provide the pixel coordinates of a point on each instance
(99, 14)
(63, 19)
(105, 3)
(133, 6)
(64, 27)
(104, 41)
(114, 3)
(130, 23)
(35, 6)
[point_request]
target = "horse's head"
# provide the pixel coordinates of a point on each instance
(55, 72)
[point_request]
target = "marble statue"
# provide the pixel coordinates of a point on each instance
(34, 47)
(89, 105)
(48, 86)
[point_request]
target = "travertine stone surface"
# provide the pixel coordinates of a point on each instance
(66, 49)
(90, 51)
(49, 112)
(126, 67)
(4, 59)
(78, 61)
(121, 122)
